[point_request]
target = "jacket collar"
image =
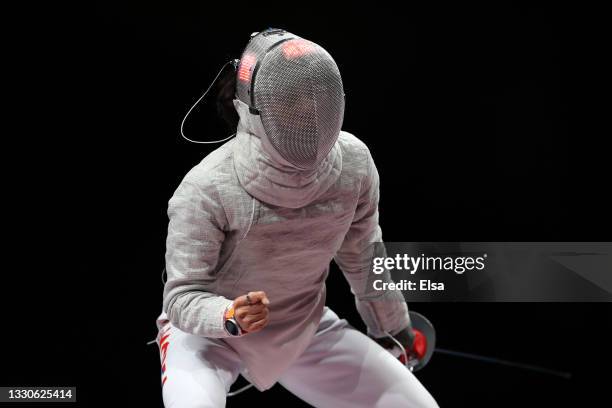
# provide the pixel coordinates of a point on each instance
(265, 175)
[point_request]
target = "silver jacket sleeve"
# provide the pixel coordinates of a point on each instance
(381, 311)
(195, 235)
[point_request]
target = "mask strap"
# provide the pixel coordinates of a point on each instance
(234, 64)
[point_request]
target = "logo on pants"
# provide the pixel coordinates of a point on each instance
(163, 350)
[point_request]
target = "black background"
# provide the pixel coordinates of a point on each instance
(480, 119)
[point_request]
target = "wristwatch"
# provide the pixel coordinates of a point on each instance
(229, 322)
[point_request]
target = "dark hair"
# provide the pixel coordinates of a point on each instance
(226, 92)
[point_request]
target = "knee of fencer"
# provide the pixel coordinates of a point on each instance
(406, 396)
(411, 401)
(422, 400)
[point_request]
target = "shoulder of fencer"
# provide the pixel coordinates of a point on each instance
(349, 141)
(213, 170)
(214, 186)
(355, 153)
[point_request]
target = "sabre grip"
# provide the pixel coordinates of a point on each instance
(413, 341)
(418, 348)
(418, 340)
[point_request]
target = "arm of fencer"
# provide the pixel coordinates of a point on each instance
(195, 235)
(381, 311)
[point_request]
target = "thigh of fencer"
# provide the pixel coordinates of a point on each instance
(197, 372)
(343, 367)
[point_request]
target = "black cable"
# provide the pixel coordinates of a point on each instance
(493, 360)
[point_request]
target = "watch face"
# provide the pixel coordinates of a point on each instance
(231, 327)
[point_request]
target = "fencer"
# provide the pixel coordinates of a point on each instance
(252, 231)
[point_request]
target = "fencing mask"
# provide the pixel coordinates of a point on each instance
(295, 88)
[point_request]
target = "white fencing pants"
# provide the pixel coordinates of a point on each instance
(341, 367)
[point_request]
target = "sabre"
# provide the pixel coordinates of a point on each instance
(493, 360)
(420, 323)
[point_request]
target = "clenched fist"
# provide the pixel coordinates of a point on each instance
(251, 311)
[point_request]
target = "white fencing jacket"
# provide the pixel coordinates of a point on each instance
(242, 220)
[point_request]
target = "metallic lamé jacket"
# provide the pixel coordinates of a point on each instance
(242, 220)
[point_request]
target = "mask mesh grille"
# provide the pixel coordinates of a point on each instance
(298, 92)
